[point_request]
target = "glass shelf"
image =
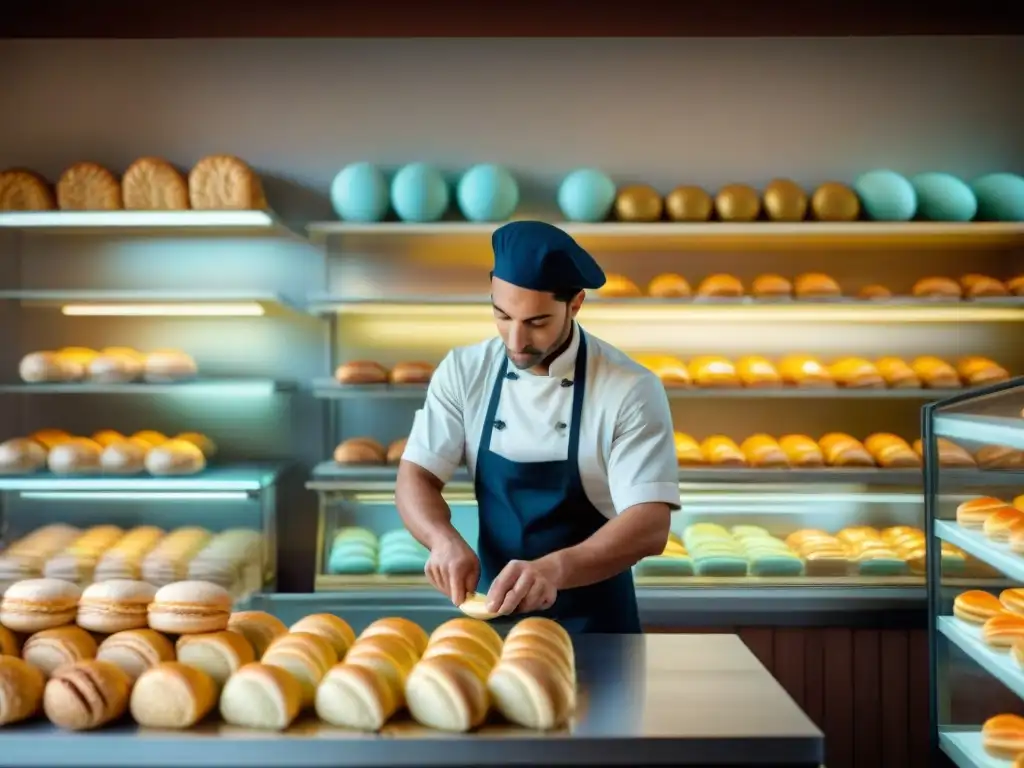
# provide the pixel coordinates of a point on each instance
(145, 303)
(163, 222)
(205, 387)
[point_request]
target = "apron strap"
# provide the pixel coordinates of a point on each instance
(578, 391)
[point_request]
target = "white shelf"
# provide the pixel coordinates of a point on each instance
(968, 638)
(205, 387)
(100, 222)
(991, 430)
(246, 478)
(999, 556)
(964, 748)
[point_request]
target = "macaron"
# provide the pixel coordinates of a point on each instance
(36, 604)
(258, 627)
(352, 565)
(116, 605)
(261, 697)
(395, 536)
(355, 548)
(86, 695)
(413, 548)
(218, 654)
(51, 649)
(355, 534)
(21, 690)
(172, 695)
(136, 650)
(190, 607)
(402, 564)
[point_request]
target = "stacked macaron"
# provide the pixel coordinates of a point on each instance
(354, 552)
(714, 551)
(400, 553)
(233, 559)
(766, 554)
(27, 556)
(673, 561)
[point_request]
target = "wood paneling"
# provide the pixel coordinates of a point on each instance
(554, 18)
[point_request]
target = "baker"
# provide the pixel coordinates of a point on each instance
(569, 442)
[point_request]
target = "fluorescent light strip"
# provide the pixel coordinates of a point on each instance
(249, 309)
(134, 495)
(136, 219)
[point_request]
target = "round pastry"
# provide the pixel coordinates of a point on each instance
(258, 627)
(713, 371)
(689, 203)
(21, 690)
(784, 200)
(737, 202)
(530, 693)
(360, 450)
(801, 451)
(190, 607)
(897, 374)
(136, 650)
(478, 631)
(153, 184)
(261, 696)
(306, 657)
(21, 456)
(1013, 600)
(757, 372)
(361, 372)
(23, 190)
(172, 695)
(225, 183)
(835, 202)
(394, 626)
(771, 287)
(127, 457)
(86, 695)
(688, 452)
(874, 292)
(40, 367)
(669, 286)
(974, 512)
(115, 605)
(218, 654)
(1003, 629)
(88, 187)
(151, 437)
(619, 287)
(33, 605)
(51, 649)
(639, 203)
(200, 441)
(815, 285)
(445, 695)
(351, 696)
(1003, 736)
(333, 629)
(937, 288)
(168, 366)
(982, 286)
(175, 457)
(412, 373)
(720, 286)
(116, 367)
(396, 449)
(77, 456)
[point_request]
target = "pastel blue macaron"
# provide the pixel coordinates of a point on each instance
(402, 564)
(355, 534)
(660, 565)
(721, 565)
(351, 565)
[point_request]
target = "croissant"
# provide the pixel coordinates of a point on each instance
(618, 287)
(897, 374)
(720, 286)
(670, 370)
(891, 451)
(755, 371)
(841, 450)
(801, 451)
(688, 452)
(982, 286)
(669, 286)
(856, 373)
(722, 451)
(937, 288)
(950, 454)
(978, 371)
(763, 451)
(935, 373)
(805, 371)
(713, 371)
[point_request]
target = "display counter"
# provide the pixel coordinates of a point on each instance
(656, 700)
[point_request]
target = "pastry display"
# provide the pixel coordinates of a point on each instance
(897, 373)
(88, 187)
(1015, 285)
(357, 551)
(172, 695)
(224, 183)
(153, 184)
(232, 559)
(833, 201)
(874, 292)
(974, 512)
(802, 451)
(21, 456)
(361, 372)
(1013, 600)
(935, 373)
(77, 456)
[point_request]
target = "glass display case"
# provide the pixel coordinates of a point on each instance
(975, 630)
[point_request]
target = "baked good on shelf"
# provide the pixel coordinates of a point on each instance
(77, 561)
(479, 632)
(361, 372)
(937, 288)
(153, 184)
(405, 630)
(976, 371)
(856, 373)
(86, 695)
(360, 450)
(999, 457)
(721, 286)
(891, 451)
(619, 287)
(669, 286)
(531, 693)
(22, 190)
(124, 559)
(688, 203)
(48, 438)
(389, 659)
(763, 451)
(897, 373)
(1013, 600)
(466, 650)
(355, 697)
(107, 436)
(805, 371)
(548, 629)
(88, 187)
(21, 690)
(305, 656)
(771, 287)
(10, 645)
(218, 654)
(974, 512)
(166, 366)
(136, 650)
(935, 373)
(224, 183)
(412, 372)
(1003, 630)
(982, 286)
(816, 285)
(21, 456)
(395, 450)
(842, 450)
(126, 457)
(1015, 285)
(77, 456)
(444, 694)
(671, 371)
(43, 367)
(33, 605)
(802, 451)
(175, 457)
(1003, 736)
(874, 292)
(331, 628)
(190, 607)
(713, 371)
(25, 557)
(757, 372)
(116, 366)
(976, 606)
(51, 649)
(200, 441)
(688, 451)
(259, 628)
(1002, 522)
(638, 202)
(722, 451)
(150, 437)
(950, 454)
(115, 605)
(77, 359)
(172, 695)
(262, 697)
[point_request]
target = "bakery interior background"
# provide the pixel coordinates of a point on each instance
(658, 111)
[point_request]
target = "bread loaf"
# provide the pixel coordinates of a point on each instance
(937, 288)
(42, 367)
(935, 373)
(671, 371)
(116, 366)
(891, 451)
(721, 451)
(999, 457)
(815, 285)
(446, 695)
(688, 451)
(21, 456)
(980, 371)
(619, 287)
(361, 372)
(841, 450)
(713, 371)
(88, 187)
(801, 451)
(771, 287)
(153, 184)
(763, 451)
(669, 286)
(805, 371)
(225, 183)
(412, 372)
(874, 292)
(168, 366)
(360, 450)
(982, 286)
(757, 372)
(950, 454)
(897, 373)
(720, 286)
(1015, 285)
(856, 373)
(75, 457)
(22, 190)
(175, 457)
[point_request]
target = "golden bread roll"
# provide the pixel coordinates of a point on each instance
(107, 437)
(1001, 523)
(721, 451)
(688, 451)
(224, 183)
(974, 512)
(361, 372)
(174, 458)
(937, 288)
(935, 373)
(757, 372)
(360, 450)
(21, 456)
(306, 657)
(982, 286)
(891, 451)
(619, 287)
(48, 438)
(351, 696)
(76, 456)
(671, 371)
(999, 457)
(669, 286)
(950, 454)
(713, 371)
(720, 286)
(151, 437)
(1002, 736)
(218, 654)
(841, 450)
(259, 628)
(51, 649)
(978, 371)
(467, 650)
(88, 187)
(897, 373)
(405, 630)
(815, 285)
(478, 631)
(530, 693)
(86, 695)
(172, 695)
(856, 373)
(771, 287)
(22, 686)
(395, 450)
(262, 697)
(805, 371)
(802, 451)
(167, 366)
(412, 372)
(200, 441)
(23, 190)
(445, 694)
(833, 201)
(153, 184)
(874, 292)
(763, 451)
(46, 367)
(1015, 285)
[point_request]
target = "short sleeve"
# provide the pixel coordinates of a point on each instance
(437, 441)
(642, 466)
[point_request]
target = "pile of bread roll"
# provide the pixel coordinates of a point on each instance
(370, 372)
(366, 450)
(811, 286)
(107, 452)
(1001, 522)
(112, 365)
(216, 182)
(1000, 619)
(805, 371)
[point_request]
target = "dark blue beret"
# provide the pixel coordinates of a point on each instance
(542, 257)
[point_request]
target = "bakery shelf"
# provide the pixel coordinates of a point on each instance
(146, 303)
(1001, 666)
(162, 222)
(964, 747)
(999, 556)
(248, 479)
(204, 387)
(992, 430)
(754, 236)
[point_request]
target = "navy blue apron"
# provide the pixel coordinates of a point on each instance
(530, 509)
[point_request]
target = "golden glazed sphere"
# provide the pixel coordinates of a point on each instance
(784, 200)
(737, 202)
(689, 204)
(835, 202)
(638, 202)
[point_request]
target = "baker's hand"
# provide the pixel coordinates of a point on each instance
(522, 586)
(453, 569)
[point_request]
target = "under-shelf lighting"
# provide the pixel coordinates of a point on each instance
(134, 496)
(136, 219)
(735, 500)
(239, 309)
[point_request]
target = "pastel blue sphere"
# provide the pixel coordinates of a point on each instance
(943, 197)
(419, 193)
(487, 192)
(360, 193)
(586, 195)
(1000, 197)
(886, 196)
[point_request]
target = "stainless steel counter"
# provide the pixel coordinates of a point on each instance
(643, 700)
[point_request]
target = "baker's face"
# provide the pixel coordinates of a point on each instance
(533, 324)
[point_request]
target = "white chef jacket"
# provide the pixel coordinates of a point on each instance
(627, 450)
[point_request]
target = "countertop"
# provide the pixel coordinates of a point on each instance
(643, 700)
